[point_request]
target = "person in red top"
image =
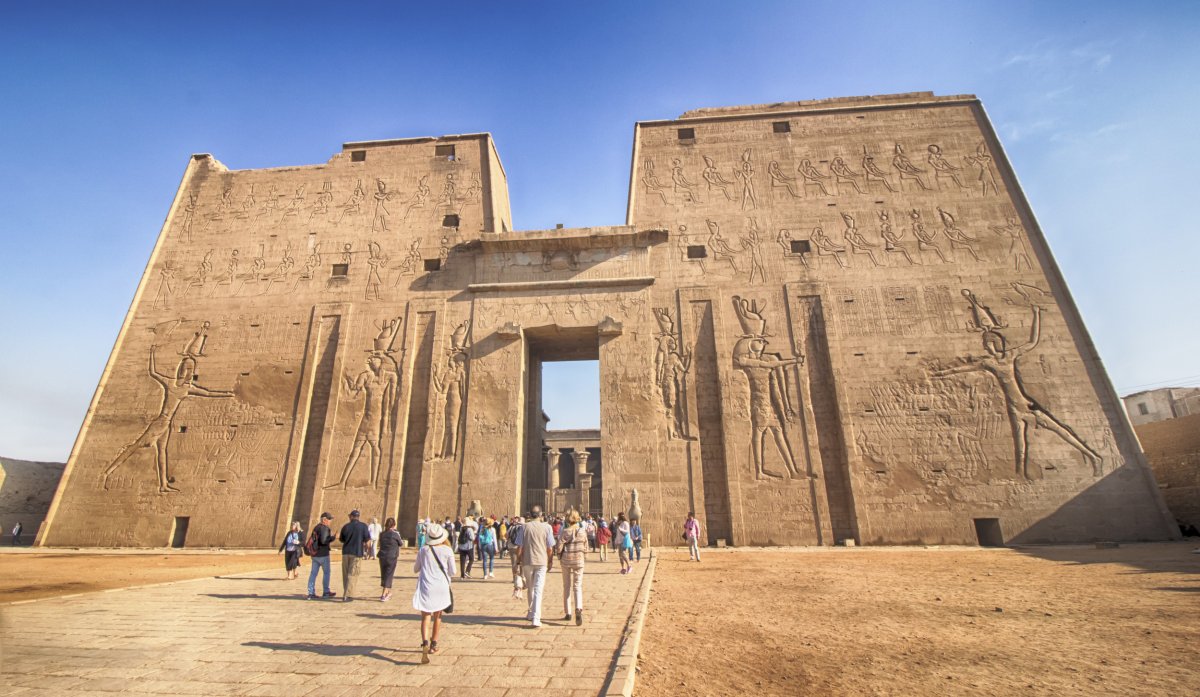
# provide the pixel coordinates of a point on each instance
(603, 537)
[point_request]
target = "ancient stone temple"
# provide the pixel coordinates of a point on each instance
(822, 321)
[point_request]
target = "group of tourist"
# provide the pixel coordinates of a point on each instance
(532, 545)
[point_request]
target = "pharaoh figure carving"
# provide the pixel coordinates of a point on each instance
(176, 388)
(1024, 412)
(670, 369)
(451, 381)
(770, 402)
(379, 382)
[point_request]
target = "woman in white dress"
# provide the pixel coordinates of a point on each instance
(434, 568)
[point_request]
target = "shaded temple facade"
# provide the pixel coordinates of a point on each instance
(821, 321)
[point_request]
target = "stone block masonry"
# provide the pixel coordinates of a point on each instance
(822, 321)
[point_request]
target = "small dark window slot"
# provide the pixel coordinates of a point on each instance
(860, 355)
(295, 324)
(687, 134)
(900, 300)
(183, 429)
(922, 408)
(273, 235)
(848, 300)
(869, 411)
(195, 377)
(340, 270)
(444, 151)
(288, 372)
(860, 117)
(781, 127)
(800, 247)
(255, 325)
(450, 220)
(433, 264)
(831, 205)
(246, 373)
(938, 471)
(697, 251)
(358, 155)
(221, 481)
(879, 202)
(268, 479)
(912, 353)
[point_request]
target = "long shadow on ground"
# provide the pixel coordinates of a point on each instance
(332, 650)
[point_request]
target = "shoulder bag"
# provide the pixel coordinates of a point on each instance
(450, 586)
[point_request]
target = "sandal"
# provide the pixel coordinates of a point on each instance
(424, 652)
(433, 646)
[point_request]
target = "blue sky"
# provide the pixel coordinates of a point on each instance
(102, 103)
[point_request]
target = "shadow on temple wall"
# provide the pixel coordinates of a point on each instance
(1102, 510)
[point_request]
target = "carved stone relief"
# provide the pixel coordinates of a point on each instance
(771, 405)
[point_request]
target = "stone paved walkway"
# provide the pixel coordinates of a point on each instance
(255, 634)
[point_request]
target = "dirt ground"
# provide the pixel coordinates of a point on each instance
(880, 621)
(29, 575)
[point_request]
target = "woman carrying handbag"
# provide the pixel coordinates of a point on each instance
(434, 567)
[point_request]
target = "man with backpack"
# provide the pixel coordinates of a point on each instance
(317, 547)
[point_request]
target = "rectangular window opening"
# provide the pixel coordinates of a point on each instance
(1142, 410)
(358, 155)
(801, 247)
(450, 220)
(687, 135)
(183, 429)
(697, 251)
(433, 264)
(444, 151)
(781, 127)
(340, 271)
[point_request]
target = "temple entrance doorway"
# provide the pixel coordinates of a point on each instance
(563, 466)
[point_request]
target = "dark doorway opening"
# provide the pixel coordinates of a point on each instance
(987, 531)
(179, 533)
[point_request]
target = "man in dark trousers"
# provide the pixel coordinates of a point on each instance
(353, 536)
(322, 537)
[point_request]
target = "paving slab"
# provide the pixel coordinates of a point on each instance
(252, 635)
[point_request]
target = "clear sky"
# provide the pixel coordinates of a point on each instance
(101, 103)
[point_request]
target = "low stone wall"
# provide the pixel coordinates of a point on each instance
(26, 489)
(1173, 450)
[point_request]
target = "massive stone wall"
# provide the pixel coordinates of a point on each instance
(822, 321)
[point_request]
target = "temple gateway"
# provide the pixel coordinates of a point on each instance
(821, 322)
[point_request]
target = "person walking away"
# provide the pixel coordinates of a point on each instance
(603, 537)
(590, 525)
(421, 525)
(291, 548)
(624, 543)
(466, 547)
(16, 534)
(388, 554)
(691, 533)
(537, 539)
(571, 550)
(320, 540)
(635, 532)
(487, 550)
(353, 536)
(502, 537)
(515, 529)
(373, 542)
(434, 567)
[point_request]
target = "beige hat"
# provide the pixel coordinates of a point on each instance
(434, 534)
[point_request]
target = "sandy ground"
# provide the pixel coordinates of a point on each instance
(879, 621)
(28, 574)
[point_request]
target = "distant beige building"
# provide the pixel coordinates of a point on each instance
(1164, 403)
(821, 321)
(26, 489)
